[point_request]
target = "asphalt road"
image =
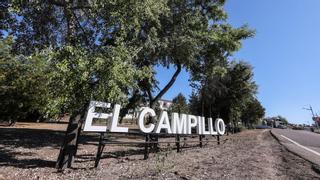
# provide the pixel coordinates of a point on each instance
(304, 143)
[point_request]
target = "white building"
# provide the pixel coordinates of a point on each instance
(133, 114)
(164, 104)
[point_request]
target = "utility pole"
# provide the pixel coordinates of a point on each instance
(313, 115)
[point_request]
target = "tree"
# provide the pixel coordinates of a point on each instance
(214, 78)
(23, 90)
(186, 31)
(179, 104)
(226, 92)
(107, 50)
(106, 76)
(90, 47)
(241, 88)
(253, 112)
(194, 104)
(283, 119)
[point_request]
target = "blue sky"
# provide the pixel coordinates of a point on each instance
(285, 54)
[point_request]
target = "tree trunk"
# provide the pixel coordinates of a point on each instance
(131, 105)
(69, 147)
(152, 101)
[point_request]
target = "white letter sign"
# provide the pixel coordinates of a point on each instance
(141, 125)
(220, 126)
(114, 122)
(163, 123)
(176, 124)
(179, 124)
(92, 114)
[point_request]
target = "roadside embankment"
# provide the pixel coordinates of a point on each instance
(253, 154)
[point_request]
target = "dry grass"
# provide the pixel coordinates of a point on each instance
(29, 151)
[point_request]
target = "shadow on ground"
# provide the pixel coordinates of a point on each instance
(15, 141)
(13, 138)
(8, 158)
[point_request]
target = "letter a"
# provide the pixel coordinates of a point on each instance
(163, 123)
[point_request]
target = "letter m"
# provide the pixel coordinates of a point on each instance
(179, 124)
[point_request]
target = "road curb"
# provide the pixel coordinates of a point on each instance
(315, 167)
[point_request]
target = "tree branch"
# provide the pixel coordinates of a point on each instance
(81, 7)
(82, 29)
(60, 3)
(149, 95)
(132, 102)
(63, 3)
(168, 86)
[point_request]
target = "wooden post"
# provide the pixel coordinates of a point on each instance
(218, 139)
(200, 139)
(79, 132)
(100, 150)
(146, 147)
(156, 145)
(177, 135)
(178, 142)
(228, 129)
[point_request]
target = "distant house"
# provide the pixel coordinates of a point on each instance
(268, 121)
(274, 122)
(279, 123)
(133, 114)
(164, 104)
(316, 121)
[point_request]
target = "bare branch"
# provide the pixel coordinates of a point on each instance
(168, 86)
(60, 3)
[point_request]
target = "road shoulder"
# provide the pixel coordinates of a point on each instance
(297, 149)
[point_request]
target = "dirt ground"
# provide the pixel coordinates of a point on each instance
(30, 153)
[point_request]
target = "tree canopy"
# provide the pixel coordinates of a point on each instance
(22, 84)
(179, 104)
(58, 55)
(228, 93)
(107, 50)
(253, 113)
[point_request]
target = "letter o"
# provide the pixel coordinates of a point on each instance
(220, 126)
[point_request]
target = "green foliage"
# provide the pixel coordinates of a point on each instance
(67, 53)
(23, 90)
(186, 33)
(107, 50)
(179, 104)
(90, 24)
(64, 80)
(252, 113)
(194, 104)
(241, 88)
(283, 119)
(228, 95)
(87, 47)
(78, 75)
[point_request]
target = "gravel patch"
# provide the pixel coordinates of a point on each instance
(255, 154)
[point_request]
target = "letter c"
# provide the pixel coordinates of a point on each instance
(142, 114)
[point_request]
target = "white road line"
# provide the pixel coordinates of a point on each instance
(308, 149)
